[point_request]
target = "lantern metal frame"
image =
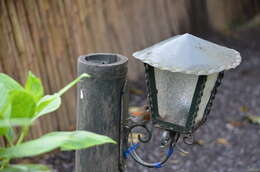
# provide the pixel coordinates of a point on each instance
(190, 125)
(174, 131)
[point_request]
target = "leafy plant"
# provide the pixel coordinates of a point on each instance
(20, 107)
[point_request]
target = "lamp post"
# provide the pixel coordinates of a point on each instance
(182, 77)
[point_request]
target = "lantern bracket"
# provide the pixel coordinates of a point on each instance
(169, 139)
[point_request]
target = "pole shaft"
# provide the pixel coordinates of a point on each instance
(99, 109)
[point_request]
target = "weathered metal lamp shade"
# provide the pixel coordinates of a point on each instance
(182, 75)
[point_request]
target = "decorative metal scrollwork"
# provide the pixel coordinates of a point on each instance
(188, 139)
(168, 139)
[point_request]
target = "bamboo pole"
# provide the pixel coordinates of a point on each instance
(100, 110)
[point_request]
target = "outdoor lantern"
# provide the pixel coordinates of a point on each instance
(182, 76)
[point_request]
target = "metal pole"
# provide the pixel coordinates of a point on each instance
(100, 109)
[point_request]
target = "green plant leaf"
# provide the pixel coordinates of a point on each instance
(14, 122)
(3, 101)
(47, 104)
(22, 103)
(10, 134)
(34, 86)
(5, 105)
(4, 96)
(4, 111)
(27, 168)
(66, 88)
(9, 82)
(84, 139)
(64, 140)
(5, 126)
(50, 103)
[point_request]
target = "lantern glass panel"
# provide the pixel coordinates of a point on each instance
(210, 83)
(175, 93)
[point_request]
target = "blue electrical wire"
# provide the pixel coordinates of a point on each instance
(130, 149)
(134, 147)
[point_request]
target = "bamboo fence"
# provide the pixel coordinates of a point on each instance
(47, 36)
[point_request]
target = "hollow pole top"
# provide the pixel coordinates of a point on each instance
(103, 65)
(103, 59)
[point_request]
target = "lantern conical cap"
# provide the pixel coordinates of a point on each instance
(189, 54)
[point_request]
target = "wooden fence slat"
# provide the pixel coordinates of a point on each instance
(29, 54)
(37, 36)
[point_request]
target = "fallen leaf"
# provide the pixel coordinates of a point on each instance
(134, 137)
(183, 154)
(244, 109)
(199, 142)
(139, 113)
(136, 91)
(236, 123)
(253, 119)
(181, 151)
(222, 141)
(135, 109)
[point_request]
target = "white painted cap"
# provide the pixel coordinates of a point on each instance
(189, 54)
